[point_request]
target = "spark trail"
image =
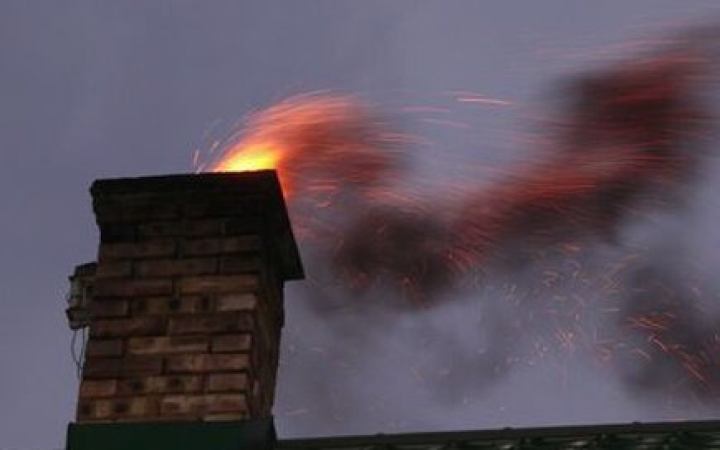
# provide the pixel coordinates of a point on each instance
(631, 140)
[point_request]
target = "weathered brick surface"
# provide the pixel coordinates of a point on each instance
(241, 264)
(206, 363)
(168, 344)
(118, 408)
(127, 366)
(108, 307)
(224, 245)
(114, 269)
(117, 232)
(104, 347)
(218, 284)
(102, 368)
(131, 250)
(141, 365)
(227, 382)
(261, 366)
(244, 226)
(267, 337)
(160, 384)
(187, 299)
(133, 210)
(176, 267)
(211, 323)
(203, 227)
(98, 388)
(227, 206)
(165, 229)
(172, 305)
(205, 404)
(185, 228)
(231, 343)
(236, 302)
(135, 326)
(133, 288)
(224, 417)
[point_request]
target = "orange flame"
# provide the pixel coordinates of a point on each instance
(246, 157)
(307, 136)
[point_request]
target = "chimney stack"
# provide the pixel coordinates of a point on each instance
(186, 306)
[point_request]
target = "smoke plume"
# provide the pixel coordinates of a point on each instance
(630, 141)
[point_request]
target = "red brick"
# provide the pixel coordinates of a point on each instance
(172, 305)
(236, 302)
(98, 388)
(191, 228)
(104, 347)
(204, 227)
(207, 363)
(133, 210)
(132, 288)
(201, 247)
(141, 365)
(218, 284)
(176, 267)
(168, 344)
(227, 382)
(163, 229)
(224, 417)
(102, 368)
(242, 243)
(241, 264)
(213, 246)
(117, 408)
(87, 411)
(211, 323)
(266, 334)
(111, 232)
(135, 326)
(108, 307)
(227, 403)
(133, 250)
(114, 269)
(160, 384)
(202, 405)
(230, 206)
(244, 226)
(122, 367)
(231, 343)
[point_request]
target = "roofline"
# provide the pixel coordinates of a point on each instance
(504, 433)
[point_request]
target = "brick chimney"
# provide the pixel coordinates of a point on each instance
(186, 304)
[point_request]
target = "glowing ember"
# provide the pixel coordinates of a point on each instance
(248, 157)
(318, 140)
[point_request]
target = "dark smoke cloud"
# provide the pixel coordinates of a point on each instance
(630, 141)
(673, 344)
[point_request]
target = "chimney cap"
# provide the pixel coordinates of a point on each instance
(263, 183)
(256, 182)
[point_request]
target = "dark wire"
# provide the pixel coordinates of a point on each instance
(73, 354)
(77, 358)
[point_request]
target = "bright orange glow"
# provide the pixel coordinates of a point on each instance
(247, 157)
(313, 141)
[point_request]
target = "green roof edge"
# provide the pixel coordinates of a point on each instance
(186, 435)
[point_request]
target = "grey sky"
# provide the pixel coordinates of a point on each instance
(100, 89)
